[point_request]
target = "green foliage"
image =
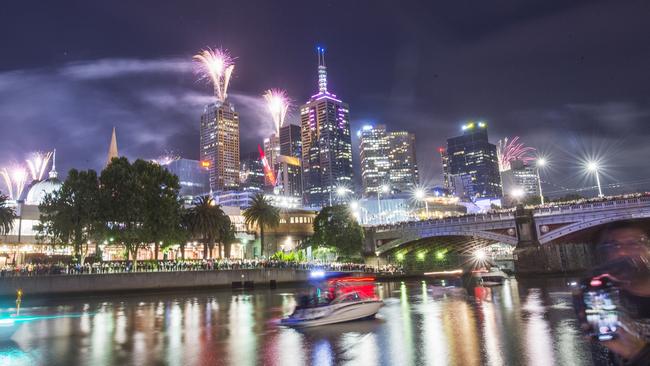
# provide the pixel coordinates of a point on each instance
(72, 214)
(228, 238)
(297, 256)
(7, 216)
(336, 228)
(262, 214)
(207, 222)
(139, 203)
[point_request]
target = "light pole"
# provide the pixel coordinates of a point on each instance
(540, 163)
(421, 195)
(593, 167)
(382, 189)
(342, 192)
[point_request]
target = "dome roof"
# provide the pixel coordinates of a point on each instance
(38, 191)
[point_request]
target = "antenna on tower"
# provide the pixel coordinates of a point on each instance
(53, 174)
(322, 70)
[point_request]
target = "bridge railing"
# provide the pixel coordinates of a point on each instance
(540, 211)
(593, 206)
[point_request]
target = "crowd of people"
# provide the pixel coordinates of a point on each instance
(61, 268)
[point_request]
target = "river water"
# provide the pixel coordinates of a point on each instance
(516, 324)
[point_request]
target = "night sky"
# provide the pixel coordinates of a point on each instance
(572, 78)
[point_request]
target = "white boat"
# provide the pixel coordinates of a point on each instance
(347, 307)
(343, 300)
(492, 277)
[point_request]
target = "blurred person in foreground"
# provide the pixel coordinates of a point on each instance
(623, 257)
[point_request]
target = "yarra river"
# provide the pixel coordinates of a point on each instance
(515, 325)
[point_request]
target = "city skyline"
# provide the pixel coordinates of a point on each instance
(578, 124)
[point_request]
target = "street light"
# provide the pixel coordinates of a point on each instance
(592, 166)
(421, 195)
(355, 206)
(540, 163)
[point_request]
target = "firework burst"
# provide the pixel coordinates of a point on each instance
(14, 180)
(278, 104)
(513, 149)
(37, 164)
(166, 158)
(217, 66)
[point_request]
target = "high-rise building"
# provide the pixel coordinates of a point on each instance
(520, 179)
(193, 178)
(251, 173)
(472, 169)
(404, 174)
(289, 176)
(220, 145)
(271, 152)
(387, 158)
(290, 141)
(326, 143)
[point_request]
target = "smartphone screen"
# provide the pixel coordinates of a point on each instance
(600, 309)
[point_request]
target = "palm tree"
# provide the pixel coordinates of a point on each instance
(206, 220)
(7, 216)
(262, 214)
(227, 238)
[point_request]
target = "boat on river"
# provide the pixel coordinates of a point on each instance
(340, 300)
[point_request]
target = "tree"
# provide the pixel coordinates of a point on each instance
(139, 204)
(71, 214)
(207, 221)
(228, 238)
(7, 216)
(335, 227)
(262, 214)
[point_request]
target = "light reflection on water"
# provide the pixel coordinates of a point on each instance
(513, 325)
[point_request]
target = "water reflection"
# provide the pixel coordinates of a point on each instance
(511, 324)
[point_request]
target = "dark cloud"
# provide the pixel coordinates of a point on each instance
(570, 78)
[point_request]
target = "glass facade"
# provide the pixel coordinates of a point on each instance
(326, 144)
(472, 167)
(290, 141)
(251, 173)
(520, 176)
(193, 179)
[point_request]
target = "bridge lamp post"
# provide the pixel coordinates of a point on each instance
(421, 195)
(540, 163)
(593, 167)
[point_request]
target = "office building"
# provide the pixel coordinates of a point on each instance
(220, 145)
(251, 173)
(288, 176)
(290, 141)
(520, 180)
(194, 179)
(472, 167)
(326, 143)
(387, 158)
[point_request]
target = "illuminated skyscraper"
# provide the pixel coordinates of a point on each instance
(271, 152)
(220, 145)
(326, 143)
(387, 158)
(290, 141)
(472, 166)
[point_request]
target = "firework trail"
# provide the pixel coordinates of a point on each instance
(217, 66)
(37, 163)
(166, 158)
(509, 150)
(15, 181)
(278, 104)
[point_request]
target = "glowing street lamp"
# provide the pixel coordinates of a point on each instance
(540, 163)
(480, 255)
(517, 193)
(421, 195)
(593, 167)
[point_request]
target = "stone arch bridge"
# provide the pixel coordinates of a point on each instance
(528, 230)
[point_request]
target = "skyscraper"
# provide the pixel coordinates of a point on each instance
(271, 152)
(192, 177)
(387, 158)
(220, 145)
(520, 176)
(326, 143)
(472, 169)
(290, 141)
(252, 172)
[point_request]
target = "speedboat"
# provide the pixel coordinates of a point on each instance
(344, 300)
(490, 277)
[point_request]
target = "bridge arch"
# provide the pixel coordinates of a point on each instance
(583, 225)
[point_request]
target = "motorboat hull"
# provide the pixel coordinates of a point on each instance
(333, 314)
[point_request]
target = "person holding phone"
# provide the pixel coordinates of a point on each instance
(621, 281)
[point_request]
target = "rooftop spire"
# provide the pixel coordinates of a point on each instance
(53, 174)
(112, 149)
(322, 70)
